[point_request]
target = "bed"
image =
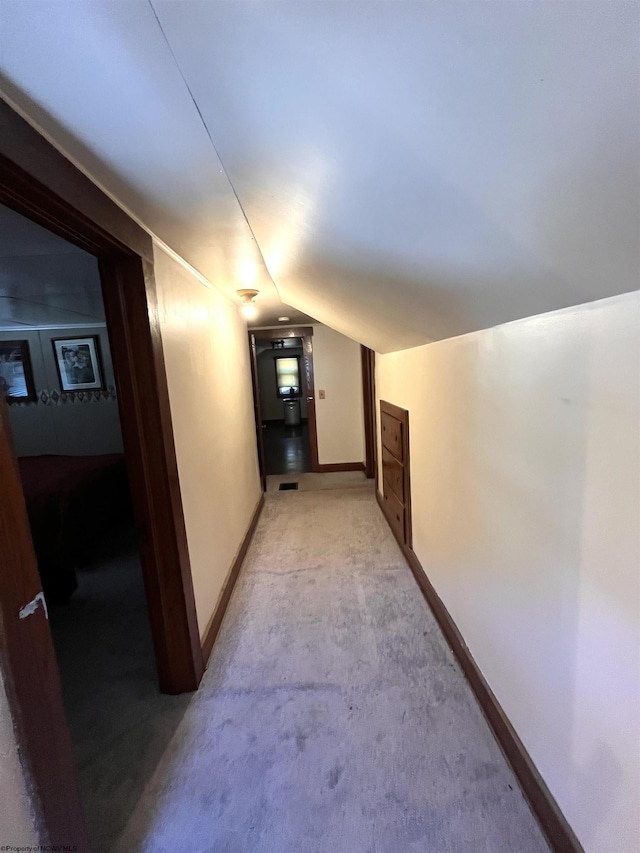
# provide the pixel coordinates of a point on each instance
(72, 501)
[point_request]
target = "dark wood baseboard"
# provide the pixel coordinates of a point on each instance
(216, 620)
(338, 466)
(553, 823)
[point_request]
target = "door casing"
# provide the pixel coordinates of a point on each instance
(306, 334)
(37, 181)
(368, 358)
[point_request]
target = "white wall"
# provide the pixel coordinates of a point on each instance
(338, 371)
(71, 428)
(207, 362)
(525, 495)
(17, 821)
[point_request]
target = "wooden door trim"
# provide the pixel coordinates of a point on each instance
(39, 183)
(368, 357)
(32, 681)
(257, 413)
(306, 334)
(307, 351)
(402, 415)
(130, 299)
(393, 410)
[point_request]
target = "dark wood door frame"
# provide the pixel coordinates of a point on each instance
(38, 182)
(402, 417)
(368, 357)
(257, 411)
(306, 334)
(32, 681)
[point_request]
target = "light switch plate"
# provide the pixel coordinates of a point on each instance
(321, 395)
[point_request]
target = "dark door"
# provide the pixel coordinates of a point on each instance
(369, 405)
(396, 487)
(257, 411)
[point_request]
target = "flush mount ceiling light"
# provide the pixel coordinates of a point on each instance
(248, 308)
(283, 319)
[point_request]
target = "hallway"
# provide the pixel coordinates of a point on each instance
(333, 716)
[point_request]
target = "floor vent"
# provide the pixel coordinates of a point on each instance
(285, 487)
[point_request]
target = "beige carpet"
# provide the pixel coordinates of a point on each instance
(313, 482)
(333, 717)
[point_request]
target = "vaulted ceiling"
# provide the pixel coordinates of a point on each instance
(403, 172)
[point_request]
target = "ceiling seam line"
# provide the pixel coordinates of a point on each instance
(156, 240)
(48, 304)
(213, 145)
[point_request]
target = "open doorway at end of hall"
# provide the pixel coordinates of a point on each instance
(283, 393)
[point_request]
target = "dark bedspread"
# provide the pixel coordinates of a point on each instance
(71, 501)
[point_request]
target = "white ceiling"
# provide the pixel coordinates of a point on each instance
(400, 171)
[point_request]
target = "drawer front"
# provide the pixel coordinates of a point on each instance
(392, 474)
(392, 434)
(395, 514)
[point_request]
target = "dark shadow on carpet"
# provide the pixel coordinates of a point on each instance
(120, 723)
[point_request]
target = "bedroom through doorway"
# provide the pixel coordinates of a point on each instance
(58, 381)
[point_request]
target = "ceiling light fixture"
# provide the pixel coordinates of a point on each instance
(248, 308)
(283, 319)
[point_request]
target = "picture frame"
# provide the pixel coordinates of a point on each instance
(79, 363)
(16, 373)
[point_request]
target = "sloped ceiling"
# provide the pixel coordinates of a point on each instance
(403, 172)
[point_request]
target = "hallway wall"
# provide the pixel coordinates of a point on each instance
(525, 495)
(338, 371)
(209, 378)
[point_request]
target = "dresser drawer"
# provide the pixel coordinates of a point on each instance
(395, 514)
(392, 474)
(391, 434)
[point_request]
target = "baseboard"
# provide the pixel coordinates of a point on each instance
(339, 466)
(216, 620)
(553, 823)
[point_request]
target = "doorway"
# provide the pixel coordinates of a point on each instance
(283, 403)
(56, 375)
(79, 212)
(284, 400)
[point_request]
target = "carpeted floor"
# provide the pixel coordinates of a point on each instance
(312, 482)
(120, 724)
(333, 717)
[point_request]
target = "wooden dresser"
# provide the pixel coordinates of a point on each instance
(396, 486)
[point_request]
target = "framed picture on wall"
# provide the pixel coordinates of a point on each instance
(16, 374)
(79, 363)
